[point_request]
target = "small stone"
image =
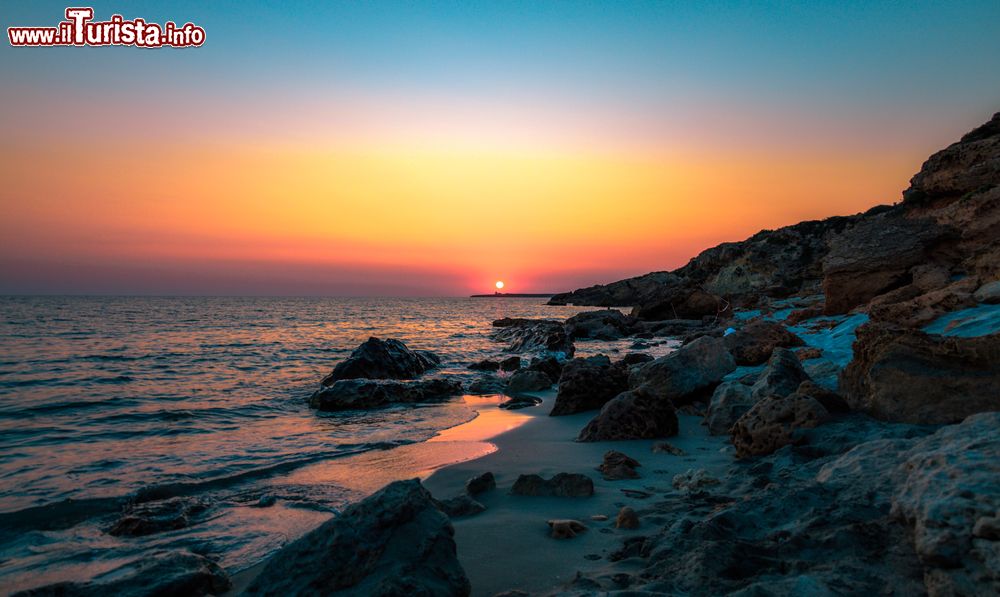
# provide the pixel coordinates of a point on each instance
(667, 448)
(510, 364)
(627, 519)
(805, 354)
(694, 480)
(566, 528)
(617, 466)
(599, 517)
(481, 483)
(266, 501)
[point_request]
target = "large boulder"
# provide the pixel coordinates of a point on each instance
(382, 359)
(682, 374)
(753, 343)
(775, 422)
(159, 573)
(528, 381)
(730, 401)
(908, 376)
(782, 375)
(350, 394)
(608, 324)
(635, 414)
(587, 384)
(534, 335)
(395, 542)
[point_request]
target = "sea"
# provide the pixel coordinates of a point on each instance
(194, 410)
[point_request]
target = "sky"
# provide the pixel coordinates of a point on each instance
(432, 148)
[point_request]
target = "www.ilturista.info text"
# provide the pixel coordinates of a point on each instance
(80, 29)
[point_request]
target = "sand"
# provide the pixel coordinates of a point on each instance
(508, 546)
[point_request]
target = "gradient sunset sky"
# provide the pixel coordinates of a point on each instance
(419, 148)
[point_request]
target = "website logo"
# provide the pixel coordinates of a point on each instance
(80, 29)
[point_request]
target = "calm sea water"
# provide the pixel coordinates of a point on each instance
(103, 400)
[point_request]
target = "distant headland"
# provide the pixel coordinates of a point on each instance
(512, 295)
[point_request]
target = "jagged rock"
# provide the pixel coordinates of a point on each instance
(806, 354)
(830, 400)
(782, 376)
(636, 358)
(587, 384)
(481, 484)
(683, 302)
(485, 365)
(988, 293)
(730, 401)
(609, 324)
(550, 366)
(561, 485)
(519, 401)
(565, 528)
(528, 381)
(680, 375)
(349, 394)
(909, 376)
(914, 310)
(627, 519)
(534, 335)
(510, 364)
(634, 414)
(617, 466)
(394, 542)
(149, 518)
(159, 573)
(490, 384)
(460, 506)
(667, 448)
(775, 422)
(754, 343)
(799, 315)
(382, 359)
(693, 480)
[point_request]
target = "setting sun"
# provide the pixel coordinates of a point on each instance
(499, 285)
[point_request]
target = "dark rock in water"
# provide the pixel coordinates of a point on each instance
(460, 506)
(913, 377)
(481, 484)
(565, 528)
(550, 366)
(730, 401)
(510, 364)
(561, 485)
(609, 324)
(156, 517)
(587, 384)
(485, 365)
(349, 394)
(383, 359)
(627, 519)
(395, 542)
(528, 381)
(617, 466)
(754, 343)
(636, 358)
(160, 573)
(782, 376)
(534, 335)
(489, 384)
(519, 401)
(635, 414)
(680, 375)
(775, 422)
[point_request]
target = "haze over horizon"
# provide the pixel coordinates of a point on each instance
(431, 149)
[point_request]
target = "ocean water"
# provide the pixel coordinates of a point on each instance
(106, 402)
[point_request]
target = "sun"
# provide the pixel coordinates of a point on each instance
(499, 284)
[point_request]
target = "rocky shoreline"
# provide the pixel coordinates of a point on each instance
(840, 380)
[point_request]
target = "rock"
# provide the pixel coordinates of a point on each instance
(806, 354)
(510, 364)
(382, 359)
(149, 518)
(534, 335)
(915, 310)
(160, 573)
(394, 542)
(909, 376)
(775, 422)
(485, 365)
(799, 315)
(753, 343)
(566, 528)
(267, 500)
(487, 385)
(519, 401)
(617, 466)
(730, 401)
(528, 381)
(609, 324)
(349, 394)
(782, 376)
(830, 400)
(667, 448)
(681, 302)
(693, 480)
(988, 293)
(636, 358)
(561, 485)
(635, 414)
(627, 519)
(460, 506)
(550, 366)
(680, 375)
(587, 384)
(481, 484)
